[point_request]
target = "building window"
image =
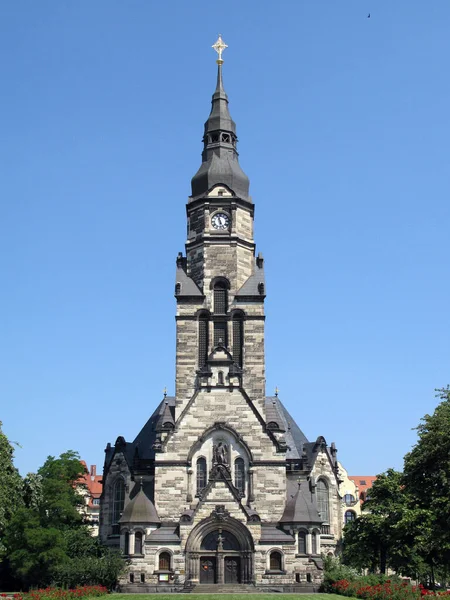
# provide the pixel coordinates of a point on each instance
(131, 577)
(96, 501)
(238, 338)
(220, 298)
(362, 482)
(126, 548)
(239, 475)
(323, 501)
(202, 340)
(220, 333)
(164, 561)
(201, 474)
(314, 543)
(308, 577)
(275, 561)
(138, 542)
(142, 577)
(118, 502)
(302, 542)
(349, 499)
(350, 515)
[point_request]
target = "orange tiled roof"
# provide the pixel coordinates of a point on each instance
(364, 483)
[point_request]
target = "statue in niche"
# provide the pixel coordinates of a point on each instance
(220, 454)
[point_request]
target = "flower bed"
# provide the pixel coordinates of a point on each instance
(50, 593)
(383, 591)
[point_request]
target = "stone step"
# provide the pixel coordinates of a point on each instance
(223, 588)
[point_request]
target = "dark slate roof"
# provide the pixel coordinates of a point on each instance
(167, 418)
(166, 534)
(301, 504)
(188, 286)
(140, 510)
(219, 158)
(251, 286)
(147, 436)
(270, 534)
(295, 438)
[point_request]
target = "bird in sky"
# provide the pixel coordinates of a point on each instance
(368, 16)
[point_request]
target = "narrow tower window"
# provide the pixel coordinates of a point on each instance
(201, 474)
(118, 503)
(238, 338)
(220, 298)
(138, 542)
(239, 475)
(202, 340)
(323, 501)
(220, 333)
(302, 542)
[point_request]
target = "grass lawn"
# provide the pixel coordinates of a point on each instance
(262, 596)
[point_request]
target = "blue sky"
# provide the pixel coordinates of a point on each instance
(344, 131)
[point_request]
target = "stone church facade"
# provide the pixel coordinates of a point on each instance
(221, 486)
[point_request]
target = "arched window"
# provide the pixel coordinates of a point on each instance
(164, 561)
(131, 577)
(238, 338)
(350, 515)
(220, 298)
(118, 503)
(349, 499)
(126, 549)
(201, 474)
(220, 380)
(302, 542)
(138, 542)
(203, 327)
(323, 501)
(275, 561)
(220, 333)
(239, 475)
(314, 543)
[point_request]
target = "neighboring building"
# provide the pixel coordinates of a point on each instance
(363, 483)
(221, 486)
(350, 504)
(353, 490)
(92, 491)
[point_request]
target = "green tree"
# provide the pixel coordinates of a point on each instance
(373, 541)
(10, 484)
(47, 540)
(427, 485)
(60, 487)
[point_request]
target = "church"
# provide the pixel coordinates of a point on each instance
(221, 488)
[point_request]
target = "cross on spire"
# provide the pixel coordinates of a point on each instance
(219, 47)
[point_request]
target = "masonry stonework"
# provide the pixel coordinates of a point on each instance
(221, 486)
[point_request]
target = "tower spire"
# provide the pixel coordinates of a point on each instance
(219, 157)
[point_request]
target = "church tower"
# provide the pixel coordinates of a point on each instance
(220, 486)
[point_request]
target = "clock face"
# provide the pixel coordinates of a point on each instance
(220, 221)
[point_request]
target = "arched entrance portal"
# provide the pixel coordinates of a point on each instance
(219, 550)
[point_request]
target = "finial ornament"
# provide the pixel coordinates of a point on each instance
(165, 392)
(219, 47)
(276, 392)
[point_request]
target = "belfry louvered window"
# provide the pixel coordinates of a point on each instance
(201, 474)
(220, 333)
(238, 338)
(202, 340)
(239, 475)
(220, 298)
